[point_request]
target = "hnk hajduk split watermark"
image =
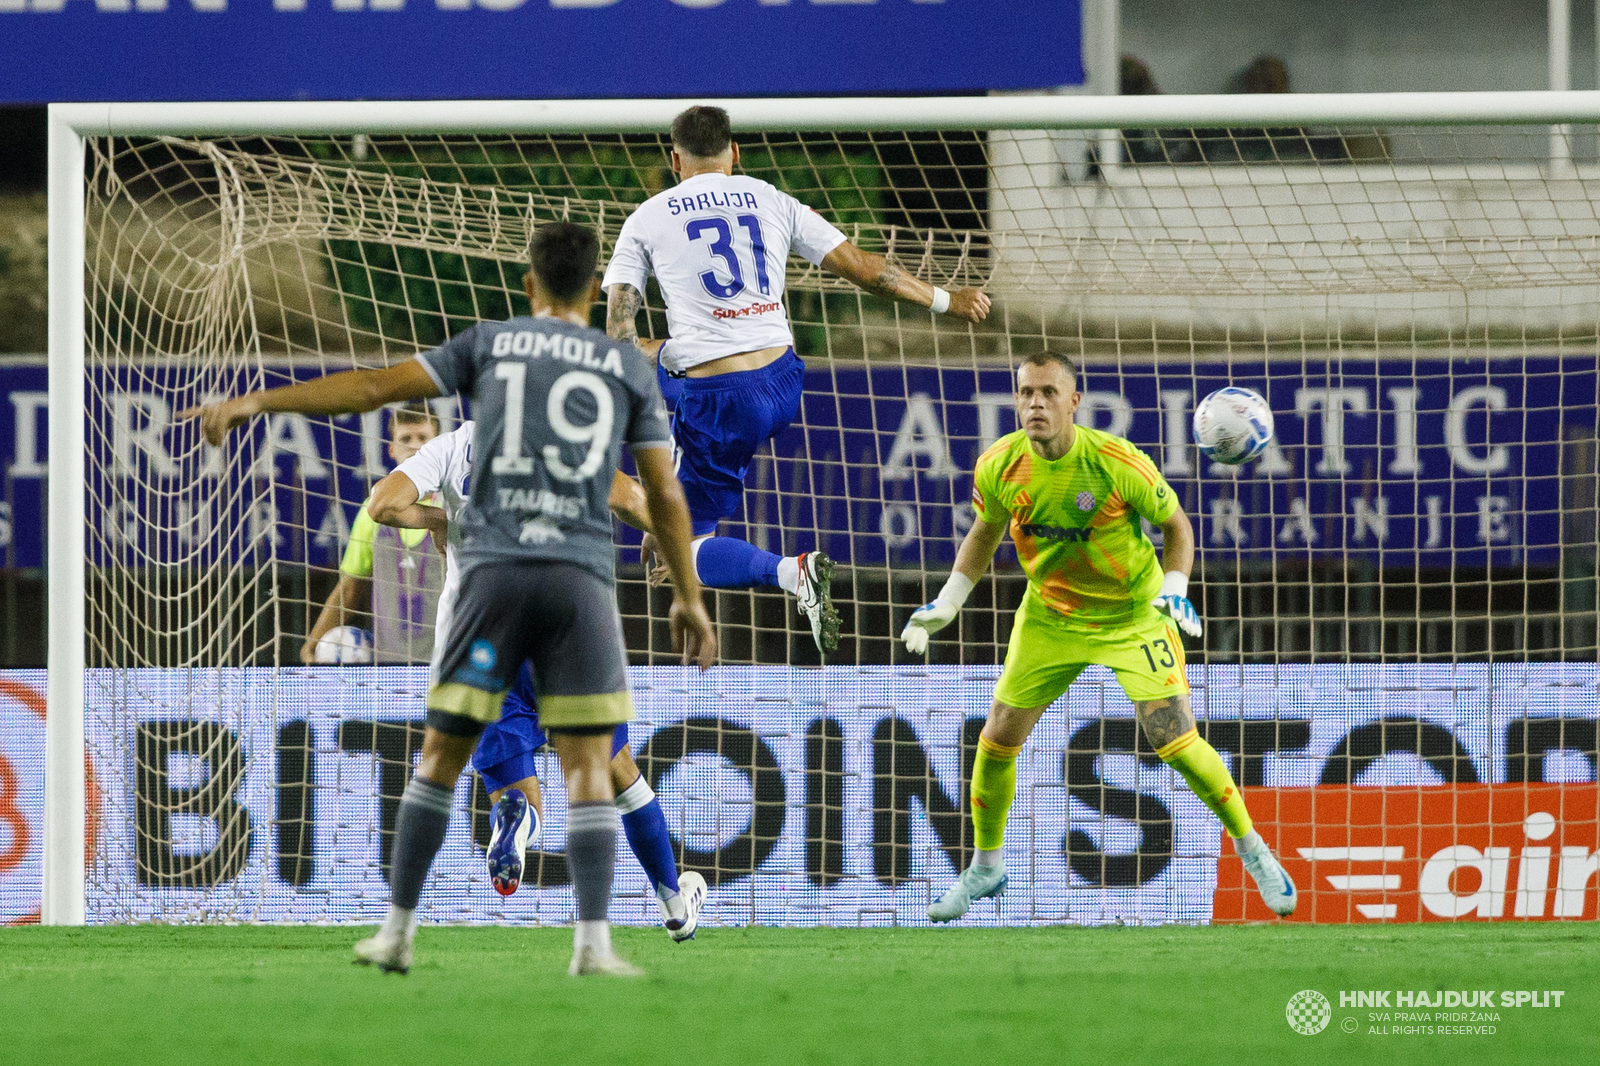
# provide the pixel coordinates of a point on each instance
(1399, 1012)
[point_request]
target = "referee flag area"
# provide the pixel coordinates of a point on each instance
(279, 994)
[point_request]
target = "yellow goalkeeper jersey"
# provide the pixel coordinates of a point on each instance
(1075, 521)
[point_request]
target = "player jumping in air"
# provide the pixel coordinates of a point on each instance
(717, 244)
(554, 402)
(504, 757)
(1073, 498)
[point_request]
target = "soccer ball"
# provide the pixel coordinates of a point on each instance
(346, 645)
(1233, 425)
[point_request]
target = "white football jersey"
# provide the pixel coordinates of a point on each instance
(718, 247)
(443, 465)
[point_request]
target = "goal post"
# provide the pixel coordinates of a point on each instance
(62, 896)
(1113, 282)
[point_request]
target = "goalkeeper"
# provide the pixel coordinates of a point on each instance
(1073, 497)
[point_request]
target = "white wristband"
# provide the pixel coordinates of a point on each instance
(1175, 583)
(941, 301)
(956, 590)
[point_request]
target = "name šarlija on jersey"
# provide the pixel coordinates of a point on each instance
(677, 205)
(574, 350)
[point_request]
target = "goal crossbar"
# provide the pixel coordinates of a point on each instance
(853, 114)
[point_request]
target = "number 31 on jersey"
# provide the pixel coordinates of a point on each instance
(715, 228)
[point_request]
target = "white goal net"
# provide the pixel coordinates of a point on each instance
(1399, 598)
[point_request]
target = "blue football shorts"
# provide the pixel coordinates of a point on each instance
(506, 749)
(717, 425)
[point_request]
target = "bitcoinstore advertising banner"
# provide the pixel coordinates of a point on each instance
(136, 50)
(1424, 462)
(834, 796)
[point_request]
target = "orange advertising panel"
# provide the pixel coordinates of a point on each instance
(1511, 852)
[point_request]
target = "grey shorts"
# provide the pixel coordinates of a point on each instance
(558, 617)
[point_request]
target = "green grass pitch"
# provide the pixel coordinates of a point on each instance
(231, 996)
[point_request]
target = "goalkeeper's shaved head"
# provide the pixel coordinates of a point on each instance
(1045, 358)
(563, 257)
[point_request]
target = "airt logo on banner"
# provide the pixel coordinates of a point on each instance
(1511, 851)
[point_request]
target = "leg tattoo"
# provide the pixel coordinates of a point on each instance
(1164, 720)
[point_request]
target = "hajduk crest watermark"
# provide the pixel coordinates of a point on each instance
(1309, 1012)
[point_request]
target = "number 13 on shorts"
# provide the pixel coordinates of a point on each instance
(1158, 653)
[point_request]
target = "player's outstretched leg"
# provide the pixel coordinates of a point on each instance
(994, 786)
(645, 825)
(1200, 765)
(514, 826)
(418, 833)
(729, 563)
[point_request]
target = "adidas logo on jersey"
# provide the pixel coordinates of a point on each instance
(540, 531)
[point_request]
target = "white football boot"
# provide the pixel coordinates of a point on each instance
(692, 890)
(594, 962)
(514, 827)
(814, 598)
(975, 883)
(1272, 880)
(387, 951)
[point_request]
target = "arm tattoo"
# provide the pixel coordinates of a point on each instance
(622, 308)
(888, 281)
(1164, 720)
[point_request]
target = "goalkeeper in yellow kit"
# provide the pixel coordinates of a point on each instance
(1073, 497)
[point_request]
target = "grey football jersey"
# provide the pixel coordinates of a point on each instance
(553, 403)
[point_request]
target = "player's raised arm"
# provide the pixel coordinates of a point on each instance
(669, 518)
(345, 393)
(972, 559)
(876, 274)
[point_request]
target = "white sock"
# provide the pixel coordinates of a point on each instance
(399, 922)
(635, 796)
(988, 858)
(1246, 843)
(789, 573)
(677, 906)
(595, 935)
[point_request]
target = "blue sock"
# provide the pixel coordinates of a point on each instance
(726, 563)
(646, 827)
